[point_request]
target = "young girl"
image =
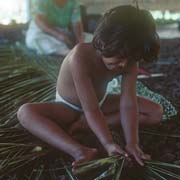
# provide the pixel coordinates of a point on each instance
(124, 37)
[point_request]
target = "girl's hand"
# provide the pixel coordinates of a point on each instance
(137, 153)
(115, 149)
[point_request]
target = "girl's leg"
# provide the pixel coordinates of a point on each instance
(48, 121)
(149, 113)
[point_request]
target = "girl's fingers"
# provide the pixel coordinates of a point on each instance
(122, 152)
(146, 156)
(118, 150)
(138, 159)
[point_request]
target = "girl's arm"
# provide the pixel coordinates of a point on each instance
(128, 105)
(129, 114)
(89, 102)
(88, 99)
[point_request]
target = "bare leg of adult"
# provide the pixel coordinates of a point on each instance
(47, 121)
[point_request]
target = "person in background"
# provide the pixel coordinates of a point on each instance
(56, 26)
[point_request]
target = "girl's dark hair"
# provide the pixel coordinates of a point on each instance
(127, 32)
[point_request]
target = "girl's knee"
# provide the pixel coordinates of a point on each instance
(24, 112)
(160, 110)
(158, 113)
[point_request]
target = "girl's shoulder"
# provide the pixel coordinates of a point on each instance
(83, 54)
(84, 50)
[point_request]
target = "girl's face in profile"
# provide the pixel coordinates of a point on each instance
(114, 63)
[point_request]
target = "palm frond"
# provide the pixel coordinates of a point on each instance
(84, 167)
(160, 134)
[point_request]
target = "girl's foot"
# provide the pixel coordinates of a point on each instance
(88, 155)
